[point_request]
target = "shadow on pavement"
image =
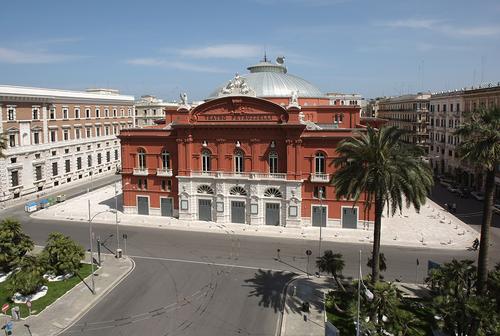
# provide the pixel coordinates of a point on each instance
(268, 286)
(111, 202)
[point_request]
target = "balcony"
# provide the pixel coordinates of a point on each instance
(165, 172)
(140, 172)
(234, 175)
(320, 177)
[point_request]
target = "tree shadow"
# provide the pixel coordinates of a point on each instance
(110, 202)
(306, 290)
(268, 286)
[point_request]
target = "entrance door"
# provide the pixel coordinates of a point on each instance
(319, 216)
(349, 218)
(142, 205)
(238, 212)
(272, 214)
(166, 207)
(205, 210)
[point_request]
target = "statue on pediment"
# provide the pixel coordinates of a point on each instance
(237, 86)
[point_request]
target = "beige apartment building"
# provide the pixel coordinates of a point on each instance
(149, 108)
(57, 137)
(409, 112)
(448, 110)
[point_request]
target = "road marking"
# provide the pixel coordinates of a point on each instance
(209, 263)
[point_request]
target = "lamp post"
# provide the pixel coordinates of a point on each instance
(91, 242)
(320, 194)
(116, 221)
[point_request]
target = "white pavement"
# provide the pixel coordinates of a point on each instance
(433, 227)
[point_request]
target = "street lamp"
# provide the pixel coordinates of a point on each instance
(320, 194)
(91, 242)
(116, 221)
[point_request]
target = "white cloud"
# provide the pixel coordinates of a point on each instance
(13, 56)
(441, 27)
(223, 51)
(164, 63)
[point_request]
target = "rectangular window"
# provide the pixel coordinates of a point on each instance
(55, 169)
(106, 113)
(142, 183)
(97, 113)
(106, 130)
(97, 131)
(99, 158)
(87, 113)
(458, 107)
(66, 135)
(89, 132)
(36, 113)
(169, 185)
(36, 138)
(14, 175)
(114, 112)
(108, 156)
(52, 113)
(77, 113)
(320, 192)
(11, 114)
(65, 113)
(89, 160)
(77, 133)
(12, 140)
(38, 173)
(451, 107)
(53, 136)
(163, 185)
(78, 163)
(116, 154)
(67, 165)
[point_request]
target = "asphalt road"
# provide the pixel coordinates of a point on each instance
(191, 283)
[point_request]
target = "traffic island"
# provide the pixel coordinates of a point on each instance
(65, 310)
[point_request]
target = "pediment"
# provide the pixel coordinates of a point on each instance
(239, 109)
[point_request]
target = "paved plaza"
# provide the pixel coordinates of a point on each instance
(433, 227)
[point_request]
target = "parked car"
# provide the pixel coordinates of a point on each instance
(478, 195)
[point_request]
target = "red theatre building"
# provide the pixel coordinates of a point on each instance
(258, 151)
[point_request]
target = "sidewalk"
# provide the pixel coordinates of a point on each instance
(295, 321)
(433, 227)
(71, 306)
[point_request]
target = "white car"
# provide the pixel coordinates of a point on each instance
(478, 195)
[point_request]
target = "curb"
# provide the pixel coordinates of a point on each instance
(98, 299)
(280, 329)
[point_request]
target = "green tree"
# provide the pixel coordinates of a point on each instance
(382, 261)
(332, 263)
(480, 145)
(62, 254)
(456, 301)
(379, 167)
(14, 244)
(29, 277)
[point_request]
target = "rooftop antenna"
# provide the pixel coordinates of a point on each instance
(265, 56)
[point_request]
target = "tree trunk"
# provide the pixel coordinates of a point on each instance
(379, 207)
(482, 261)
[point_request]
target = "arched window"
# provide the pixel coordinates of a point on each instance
(141, 158)
(205, 189)
(238, 162)
(238, 190)
(273, 163)
(205, 160)
(272, 192)
(165, 159)
(319, 161)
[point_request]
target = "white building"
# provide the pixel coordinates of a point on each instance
(149, 108)
(352, 99)
(56, 137)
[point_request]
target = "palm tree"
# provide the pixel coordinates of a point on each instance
(62, 254)
(332, 263)
(14, 244)
(480, 144)
(377, 165)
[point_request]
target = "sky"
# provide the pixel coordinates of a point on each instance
(375, 48)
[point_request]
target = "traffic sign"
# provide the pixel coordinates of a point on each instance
(308, 252)
(5, 307)
(125, 236)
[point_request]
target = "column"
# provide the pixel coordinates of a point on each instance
(255, 154)
(45, 124)
(189, 152)
(220, 154)
(290, 159)
(298, 159)
(181, 160)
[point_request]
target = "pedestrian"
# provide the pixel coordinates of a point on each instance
(475, 244)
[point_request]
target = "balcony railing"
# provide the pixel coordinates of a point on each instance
(251, 175)
(141, 171)
(320, 177)
(164, 172)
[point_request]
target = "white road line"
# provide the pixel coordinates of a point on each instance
(209, 263)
